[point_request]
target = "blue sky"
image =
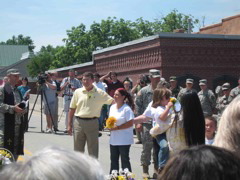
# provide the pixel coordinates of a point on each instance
(46, 21)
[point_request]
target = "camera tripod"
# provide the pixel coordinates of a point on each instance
(43, 94)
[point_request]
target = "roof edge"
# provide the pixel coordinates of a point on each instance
(167, 35)
(71, 67)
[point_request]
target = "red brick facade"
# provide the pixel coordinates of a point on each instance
(229, 25)
(213, 57)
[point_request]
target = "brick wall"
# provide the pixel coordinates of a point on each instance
(230, 25)
(197, 56)
(216, 59)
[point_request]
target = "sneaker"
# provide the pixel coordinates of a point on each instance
(48, 131)
(65, 131)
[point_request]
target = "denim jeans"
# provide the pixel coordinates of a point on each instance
(163, 153)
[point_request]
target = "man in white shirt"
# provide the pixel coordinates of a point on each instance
(98, 83)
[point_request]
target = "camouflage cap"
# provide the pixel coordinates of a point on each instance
(154, 73)
(13, 71)
(189, 81)
(226, 86)
(202, 82)
(172, 78)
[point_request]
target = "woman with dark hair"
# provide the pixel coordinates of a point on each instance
(186, 128)
(183, 129)
(128, 84)
(202, 163)
(193, 119)
(121, 136)
(24, 89)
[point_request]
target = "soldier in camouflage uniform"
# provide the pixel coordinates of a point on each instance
(189, 85)
(11, 115)
(235, 91)
(174, 87)
(223, 101)
(207, 98)
(144, 97)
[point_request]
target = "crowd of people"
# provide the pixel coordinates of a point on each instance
(170, 136)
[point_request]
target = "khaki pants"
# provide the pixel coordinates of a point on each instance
(86, 131)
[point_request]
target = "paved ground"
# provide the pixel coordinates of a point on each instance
(35, 140)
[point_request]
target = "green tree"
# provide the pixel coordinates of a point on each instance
(42, 61)
(80, 42)
(144, 28)
(20, 40)
(176, 20)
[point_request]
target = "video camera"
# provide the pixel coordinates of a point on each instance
(42, 78)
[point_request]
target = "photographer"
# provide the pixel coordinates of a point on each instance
(69, 85)
(49, 99)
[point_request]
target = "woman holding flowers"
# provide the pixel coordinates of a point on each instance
(121, 136)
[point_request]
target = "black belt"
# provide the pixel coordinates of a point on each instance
(82, 118)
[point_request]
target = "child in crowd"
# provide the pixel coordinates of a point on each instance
(161, 97)
(210, 129)
(181, 131)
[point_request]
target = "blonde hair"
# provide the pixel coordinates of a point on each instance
(228, 134)
(158, 95)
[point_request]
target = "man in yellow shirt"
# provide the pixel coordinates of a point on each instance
(86, 105)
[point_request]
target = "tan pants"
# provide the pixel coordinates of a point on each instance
(86, 131)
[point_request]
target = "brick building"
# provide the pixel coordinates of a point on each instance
(229, 25)
(197, 56)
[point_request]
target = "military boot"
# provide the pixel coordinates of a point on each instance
(145, 172)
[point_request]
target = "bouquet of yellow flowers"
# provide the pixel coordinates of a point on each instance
(110, 122)
(173, 100)
(176, 104)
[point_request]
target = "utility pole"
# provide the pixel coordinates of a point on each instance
(189, 26)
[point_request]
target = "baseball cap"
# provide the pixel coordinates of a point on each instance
(226, 86)
(154, 73)
(172, 78)
(202, 82)
(13, 71)
(189, 81)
